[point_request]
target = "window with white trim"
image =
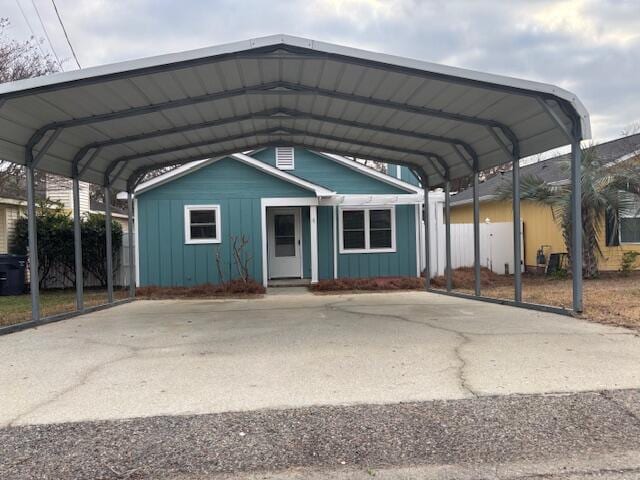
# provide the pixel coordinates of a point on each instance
(367, 229)
(202, 224)
(285, 158)
(630, 226)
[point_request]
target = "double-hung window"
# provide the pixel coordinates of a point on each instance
(367, 229)
(630, 226)
(202, 224)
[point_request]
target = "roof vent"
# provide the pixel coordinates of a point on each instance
(285, 158)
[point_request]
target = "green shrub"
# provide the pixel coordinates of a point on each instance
(628, 261)
(56, 248)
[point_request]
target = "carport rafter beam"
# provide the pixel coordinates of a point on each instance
(556, 119)
(279, 114)
(272, 88)
(265, 132)
(137, 174)
(87, 164)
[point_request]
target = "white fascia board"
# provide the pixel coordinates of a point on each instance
(369, 171)
(378, 200)
(241, 157)
(113, 214)
(169, 176)
(289, 40)
(12, 201)
(276, 172)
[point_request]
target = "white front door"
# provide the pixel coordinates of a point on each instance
(284, 242)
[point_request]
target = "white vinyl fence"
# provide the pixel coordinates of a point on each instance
(496, 242)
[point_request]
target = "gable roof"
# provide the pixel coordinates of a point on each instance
(552, 170)
(319, 190)
(370, 172)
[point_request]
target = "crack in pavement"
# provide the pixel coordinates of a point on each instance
(464, 340)
(84, 378)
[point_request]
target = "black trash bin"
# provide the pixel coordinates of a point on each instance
(12, 269)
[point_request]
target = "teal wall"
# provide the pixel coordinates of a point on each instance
(164, 257)
(325, 243)
(406, 175)
(166, 260)
(330, 174)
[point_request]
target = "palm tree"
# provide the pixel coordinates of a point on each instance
(609, 191)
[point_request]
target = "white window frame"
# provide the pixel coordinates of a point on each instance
(367, 230)
(637, 215)
(187, 225)
(293, 159)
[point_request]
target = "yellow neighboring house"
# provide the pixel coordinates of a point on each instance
(540, 229)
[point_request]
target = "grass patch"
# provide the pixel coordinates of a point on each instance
(613, 298)
(368, 284)
(234, 288)
(17, 308)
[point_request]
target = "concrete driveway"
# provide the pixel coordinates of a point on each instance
(153, 358)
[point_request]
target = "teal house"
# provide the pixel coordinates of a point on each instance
(299, 214)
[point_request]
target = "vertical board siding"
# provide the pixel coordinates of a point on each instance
(402, 262)
(330, 174)
(325, 243)
(164, 257)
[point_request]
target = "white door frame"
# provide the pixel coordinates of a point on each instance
(312, 203)
(298, 238)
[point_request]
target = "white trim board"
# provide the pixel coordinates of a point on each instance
(283, 202)
(367, 230)
(241, 157)
(370, 172)
(187, 224)
(364, 200)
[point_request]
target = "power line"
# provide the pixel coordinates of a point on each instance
(75, 57)
(33, 34)
(46, 34)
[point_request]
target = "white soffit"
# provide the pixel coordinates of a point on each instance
(116, 121)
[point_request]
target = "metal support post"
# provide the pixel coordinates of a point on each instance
(517, 242)
(33, 244)
(107, 220)
(77, 245)
(132, 256)
(576, 223)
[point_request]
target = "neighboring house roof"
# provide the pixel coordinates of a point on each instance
(319, 190)
(552, 169)
(96, 206)
(12, 201)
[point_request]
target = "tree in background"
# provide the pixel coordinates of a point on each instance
(55, 239)
(20, 60)
(608, 193)
(56, 247)
(94, 246)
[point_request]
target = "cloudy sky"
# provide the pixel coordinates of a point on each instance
(591, 47)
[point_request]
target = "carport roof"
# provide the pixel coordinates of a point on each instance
(111, 124)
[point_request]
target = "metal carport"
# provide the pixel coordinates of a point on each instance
(111, 124)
